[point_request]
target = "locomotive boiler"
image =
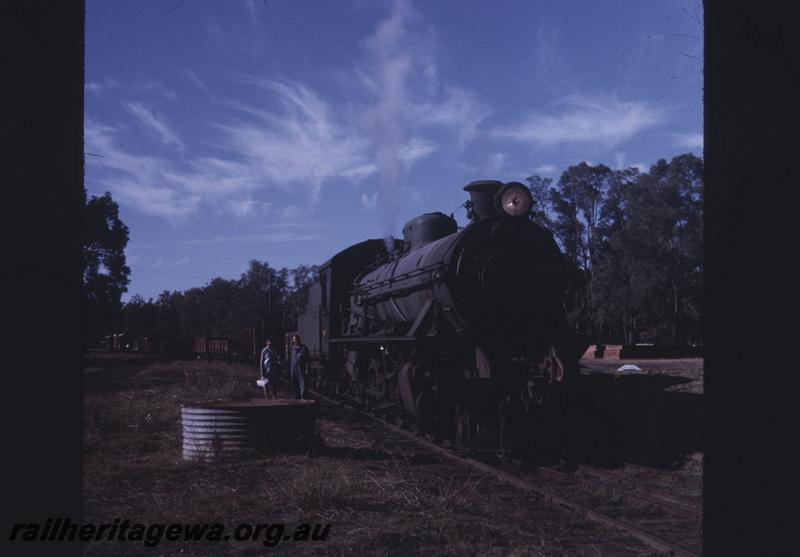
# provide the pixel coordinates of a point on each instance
(461, 331)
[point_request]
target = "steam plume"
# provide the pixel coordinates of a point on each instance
(387, 118)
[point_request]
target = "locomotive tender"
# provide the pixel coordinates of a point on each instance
(462, 331)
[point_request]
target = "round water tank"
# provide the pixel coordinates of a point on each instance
(218, 429)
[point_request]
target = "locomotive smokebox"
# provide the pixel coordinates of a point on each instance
(482, 195)
(426, 228)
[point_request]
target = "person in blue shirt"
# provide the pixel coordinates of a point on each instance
(298, 366)
(268, 361)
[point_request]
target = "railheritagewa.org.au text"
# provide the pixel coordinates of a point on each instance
(152, 534)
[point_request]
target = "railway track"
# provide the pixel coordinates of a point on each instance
(687, 486)
(656, 517)
(663, 521)
(635, 490)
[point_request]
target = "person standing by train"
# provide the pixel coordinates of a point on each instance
(297, 367)
(268, 361)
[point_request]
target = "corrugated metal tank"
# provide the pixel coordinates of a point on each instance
(219, 429)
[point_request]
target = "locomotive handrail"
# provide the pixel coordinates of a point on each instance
(380, 262)
(399, 293)
(392, 278)
(340, 340)
(365, 288)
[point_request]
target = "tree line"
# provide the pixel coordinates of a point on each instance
(263, 298)
(634, 240)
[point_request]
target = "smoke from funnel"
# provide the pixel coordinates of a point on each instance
(387, 117)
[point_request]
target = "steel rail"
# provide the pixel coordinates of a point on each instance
(636, 490)
(654, 541)
(647, 492)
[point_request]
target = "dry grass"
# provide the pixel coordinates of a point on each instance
(689, 371)
(377, 502)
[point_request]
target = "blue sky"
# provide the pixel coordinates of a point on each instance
(286, 130)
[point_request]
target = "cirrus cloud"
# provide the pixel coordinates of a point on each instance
(584, 119)
(154, 123)
(688, 140)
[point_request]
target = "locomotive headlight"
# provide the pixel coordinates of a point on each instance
(515, 199)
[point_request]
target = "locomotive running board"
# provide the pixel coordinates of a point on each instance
(372, 340)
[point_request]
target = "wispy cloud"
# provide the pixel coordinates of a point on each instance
(369, 201)
(620, 164)
(688, 140)
(179, 262)
(289, 139)
(137, 180)
(457, 109)
(251, 10)
(497, 161)
(155, 86)
(491, 166)
(241, 207)
(417, 148)
(552, 68)
(273, 237)
(154, 200)
(582, 119)
(100, 87)
(296, 149)
(619, 160)
(302, 145)
(194, 78)
(545, 169)
(155, 123)
(217, 35)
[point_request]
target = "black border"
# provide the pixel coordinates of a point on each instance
(751, 96)
(42, 186)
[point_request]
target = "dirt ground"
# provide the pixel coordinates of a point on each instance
(652, 416)
(377, 500)
(686, 373)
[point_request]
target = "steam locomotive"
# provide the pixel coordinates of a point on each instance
(462, 332)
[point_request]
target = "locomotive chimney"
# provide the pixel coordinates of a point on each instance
(481, 194)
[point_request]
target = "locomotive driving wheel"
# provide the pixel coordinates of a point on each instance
(377, 386)
(503, 429)
(463, 426)
(553, 366)
(513, 426)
